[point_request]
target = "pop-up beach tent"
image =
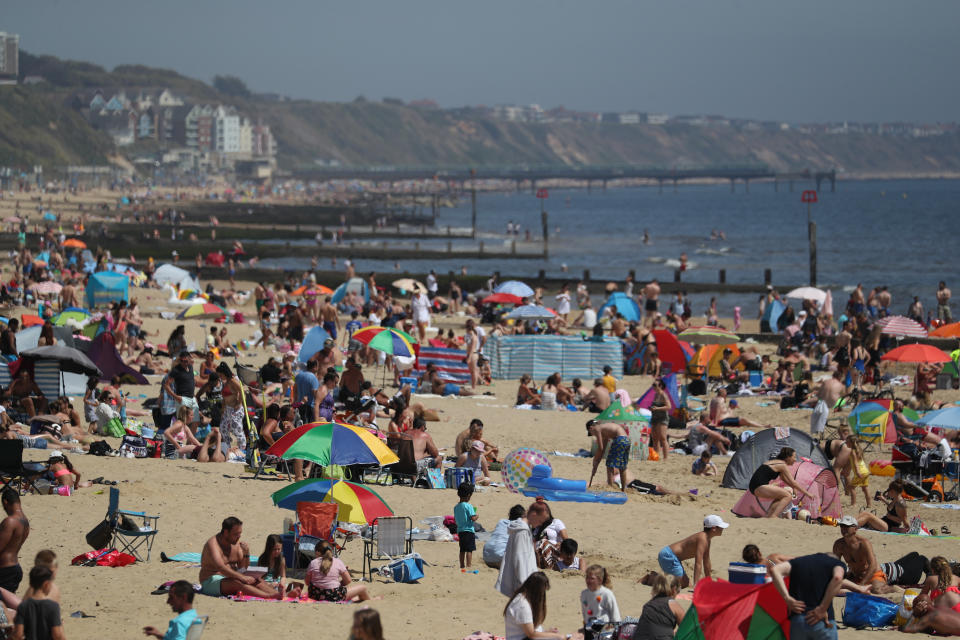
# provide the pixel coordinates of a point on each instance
(626, 306)
(765, 445)
(358, 285)
(819, 481)
(106, 286)
(722, 609)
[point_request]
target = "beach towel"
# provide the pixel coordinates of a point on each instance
(519, 560)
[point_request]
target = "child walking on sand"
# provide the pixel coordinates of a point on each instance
(598, 605)
(860, 473)
(465, 515)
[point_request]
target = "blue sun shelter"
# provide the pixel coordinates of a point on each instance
(107, 286)
(626, 306)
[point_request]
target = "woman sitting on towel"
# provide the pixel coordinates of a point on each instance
(329, 580)
(526, 395)
(770, 470)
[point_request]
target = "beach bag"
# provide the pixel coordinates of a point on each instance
(99, 537)
(100, 448)
(408, 569)
(868, 611)
(135, 445)
(113, 428)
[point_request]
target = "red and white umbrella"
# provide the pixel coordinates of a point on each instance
(903, 327)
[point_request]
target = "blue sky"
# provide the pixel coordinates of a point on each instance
(866, 60)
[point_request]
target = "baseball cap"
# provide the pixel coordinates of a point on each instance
(733, 403)
(714, 521)
(848, 521)
(478, 445)
(55, 454)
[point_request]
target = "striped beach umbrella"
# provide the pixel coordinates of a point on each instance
(329, 443)
(202, 310)
(902, 326)
(357, 502)
(386, 339)
(722, 609)
(531, 312)
(709, 335)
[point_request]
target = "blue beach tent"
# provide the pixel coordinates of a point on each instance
(107, 286)
(626, 306)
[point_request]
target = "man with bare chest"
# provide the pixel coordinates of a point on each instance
(13, 533)
(223, 561)
(857, 552)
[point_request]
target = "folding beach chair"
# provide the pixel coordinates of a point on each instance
(196, 628)
(13, 472)
(128, 535)
(316, 521)
(392, 539)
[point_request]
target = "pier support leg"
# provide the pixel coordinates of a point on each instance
(733, 185)
(746, 185)
(659, 187)
(813, 254)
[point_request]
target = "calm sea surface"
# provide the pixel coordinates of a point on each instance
(903, 234)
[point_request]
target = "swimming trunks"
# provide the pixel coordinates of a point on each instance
(730, 422)
(327, 595)
(451, 389)
(619, 453)
(211, 586)
(650, 305)
(670, 563)
(10, 577)
(331, 328)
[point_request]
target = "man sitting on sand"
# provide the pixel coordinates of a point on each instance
(696, 546)
(442, 387)
(857, 552)
(474, 459)
(613, 435)
(223, 559)
(471, 434)
(720, 415)
(598, 399)
(425, 451)
(702, 435)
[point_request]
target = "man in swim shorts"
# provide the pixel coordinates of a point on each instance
(13, 533)
(696, 546)
(222, 563)
(613, 435)
(442, 387)
(827, 395)
(720, 415)
(857, 552)
(331, 321)
(425, 450)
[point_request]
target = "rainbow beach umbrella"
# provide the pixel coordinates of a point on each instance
(357, 503)
(202, 310)
(709, 335)
(329, 443)
(386, 339)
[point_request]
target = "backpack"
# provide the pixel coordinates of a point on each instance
(100, 448)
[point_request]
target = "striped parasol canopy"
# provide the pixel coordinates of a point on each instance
(329, 443)
(902, 326)
(709, 335)
(357, 503)
(202, 310)
(386, 339)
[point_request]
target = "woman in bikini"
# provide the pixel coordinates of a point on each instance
(323, 405)
(67, 478)
(180, 440)
(941, 583)
(526, 395)
(780, 497)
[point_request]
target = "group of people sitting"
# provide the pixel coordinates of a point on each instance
(554, 394)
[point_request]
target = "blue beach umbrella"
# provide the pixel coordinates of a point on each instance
(948, 418)
(516, 288)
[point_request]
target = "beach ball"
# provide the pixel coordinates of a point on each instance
(803, 514)
(518, 466)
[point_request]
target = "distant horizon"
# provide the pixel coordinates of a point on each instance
(867, 61)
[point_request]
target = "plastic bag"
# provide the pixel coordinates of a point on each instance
(104, 558)
(868, 611)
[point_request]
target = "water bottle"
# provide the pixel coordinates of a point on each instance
(793, 512)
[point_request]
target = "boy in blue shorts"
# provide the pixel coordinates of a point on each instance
(465, 514)
(697, 547)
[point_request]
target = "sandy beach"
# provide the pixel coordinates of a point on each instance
(193, 498)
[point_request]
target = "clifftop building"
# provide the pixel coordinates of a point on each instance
(9, 57)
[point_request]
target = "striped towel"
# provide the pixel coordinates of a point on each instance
(449, 362)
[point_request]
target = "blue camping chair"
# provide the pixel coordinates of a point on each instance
(130, 540)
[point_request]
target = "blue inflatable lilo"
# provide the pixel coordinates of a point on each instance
(542, 483)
